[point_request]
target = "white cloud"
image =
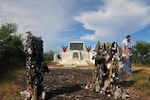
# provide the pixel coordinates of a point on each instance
(43, 18)
(51, 18)
(115, 19)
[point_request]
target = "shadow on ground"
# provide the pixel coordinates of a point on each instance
(137, 71)
(129, 83)
(63, 90)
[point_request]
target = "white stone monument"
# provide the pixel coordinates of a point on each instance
(74, 55)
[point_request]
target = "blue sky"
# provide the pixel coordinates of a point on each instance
(61, 21)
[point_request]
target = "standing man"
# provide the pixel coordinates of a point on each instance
(126, 54)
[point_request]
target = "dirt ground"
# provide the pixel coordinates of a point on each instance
(69, 84)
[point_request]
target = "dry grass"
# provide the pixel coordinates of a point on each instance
(141, 79)
(11, 84)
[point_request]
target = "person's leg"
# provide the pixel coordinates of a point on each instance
(128, 66)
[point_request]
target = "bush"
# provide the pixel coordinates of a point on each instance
(49, 56)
